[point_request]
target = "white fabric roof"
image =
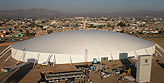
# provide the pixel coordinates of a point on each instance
(75, 42)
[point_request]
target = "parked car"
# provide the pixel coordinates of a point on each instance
(116, 71)
(105, 74)
(13, 40)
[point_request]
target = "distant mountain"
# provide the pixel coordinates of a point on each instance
(28, 13)
(54, 13)
(141, 13)
(138, 14)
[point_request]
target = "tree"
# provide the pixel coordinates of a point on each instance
(49, 31)
(7, 33)
(91, 25)
(121, 31)
(27, 33)
(121, 24)
(20, 30)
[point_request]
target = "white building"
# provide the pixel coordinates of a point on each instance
(81, 46)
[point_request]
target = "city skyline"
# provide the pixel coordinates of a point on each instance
(85, 6)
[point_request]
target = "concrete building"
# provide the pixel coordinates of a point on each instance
(144, 68)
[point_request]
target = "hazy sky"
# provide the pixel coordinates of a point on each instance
(76, 6)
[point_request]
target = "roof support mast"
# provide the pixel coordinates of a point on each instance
(5, 50)
(54, 62)
(86, 55)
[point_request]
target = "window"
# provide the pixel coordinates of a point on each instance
(63, 78)
(104, 58)
(146, 60)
